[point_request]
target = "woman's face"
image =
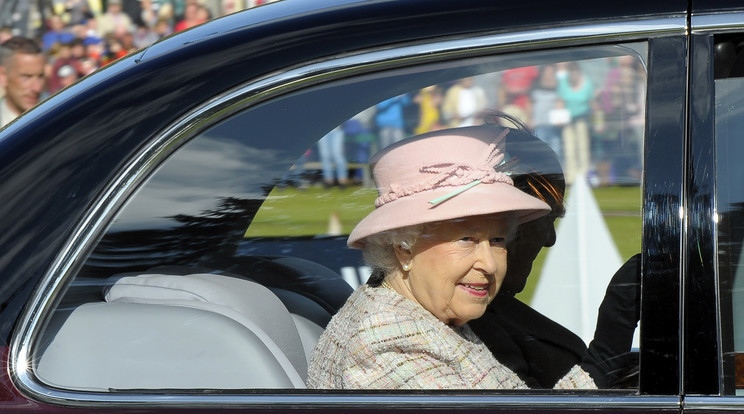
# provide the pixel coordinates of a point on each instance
(457, 267)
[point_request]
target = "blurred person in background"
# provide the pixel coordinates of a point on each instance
(577, 92)
(213, 8)
(162, 28)
(545, 106)
(167, 10)
(94, 49)
(77, 11)
(149, 13)
(156, 22)
(429, 99)
(516, 85)
(621, 103)
(67, 75)
(144, 36)
(83, 33)
(359, 131)
(78, 49)
(114, 20)
(331, 151)
(87, 66)
(127, 42)
(390, 120)
(57, 33)
(133, 8)
(70, 54)
(232, 6)
(113, 49)
(464, 103)
(22, 75)
(60, 55)
(194, 14)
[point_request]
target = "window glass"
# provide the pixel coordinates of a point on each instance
(729, 121)
(730, 200)
(241, 233)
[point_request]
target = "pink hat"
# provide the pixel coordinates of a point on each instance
(443, 175)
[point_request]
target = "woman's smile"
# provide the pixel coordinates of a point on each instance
(476, 289)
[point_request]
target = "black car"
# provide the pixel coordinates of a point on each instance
(167, 245)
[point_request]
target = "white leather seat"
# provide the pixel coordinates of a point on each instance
(179, 331)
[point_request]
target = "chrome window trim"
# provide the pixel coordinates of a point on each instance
(382, 401)
(252, 93)
(717, 22)
(705, 403)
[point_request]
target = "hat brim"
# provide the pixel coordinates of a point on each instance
(415, 209)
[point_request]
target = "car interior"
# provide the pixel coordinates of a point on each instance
(196, 314)
(236, 333)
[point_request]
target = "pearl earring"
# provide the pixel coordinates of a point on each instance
(406, 267)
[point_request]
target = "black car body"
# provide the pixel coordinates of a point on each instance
(74, 168)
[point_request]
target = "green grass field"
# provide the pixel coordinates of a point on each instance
(293, 212)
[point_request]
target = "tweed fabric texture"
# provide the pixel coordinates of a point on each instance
(382, 340)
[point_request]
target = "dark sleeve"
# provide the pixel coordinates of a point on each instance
(608, 355)
(539, 350)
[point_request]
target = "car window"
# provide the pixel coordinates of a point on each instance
(729, 121)
(223, 268)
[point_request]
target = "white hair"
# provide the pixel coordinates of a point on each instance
(379, 250)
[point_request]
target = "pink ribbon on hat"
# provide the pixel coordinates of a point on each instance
(454, 175)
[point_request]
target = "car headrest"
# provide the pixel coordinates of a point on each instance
(305, 277)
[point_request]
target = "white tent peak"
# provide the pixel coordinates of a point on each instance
(579, 266)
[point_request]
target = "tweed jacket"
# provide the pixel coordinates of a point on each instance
(529, 343)
(382, 340)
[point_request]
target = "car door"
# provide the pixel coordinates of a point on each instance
(712, 362)
(221, 198)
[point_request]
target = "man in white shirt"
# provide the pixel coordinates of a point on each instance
(21, 75)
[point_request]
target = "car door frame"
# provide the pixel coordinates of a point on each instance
(708, 357)
(663, 195)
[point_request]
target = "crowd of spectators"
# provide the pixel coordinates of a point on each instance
(590, 112)
(77, 37)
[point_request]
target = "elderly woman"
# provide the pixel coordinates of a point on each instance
(539, 350)
(437, 243)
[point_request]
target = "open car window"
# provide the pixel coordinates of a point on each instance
(223, 268)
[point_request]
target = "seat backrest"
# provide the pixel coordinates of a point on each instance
(122, 346)
(247, 302)
(309, 317)
(182, 304)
